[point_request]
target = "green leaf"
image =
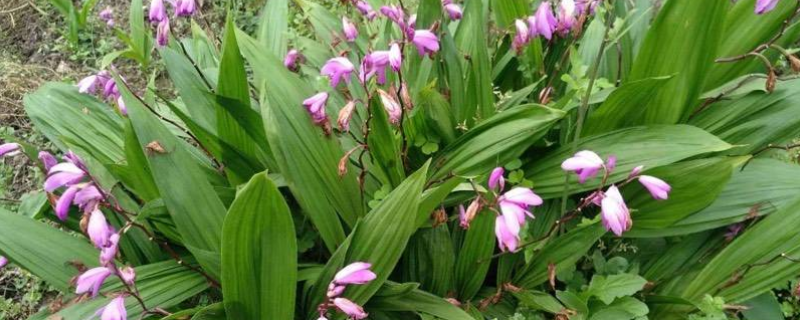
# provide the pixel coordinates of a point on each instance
(259, 254)
(763, 307)
(609, 288)
(474, 256)
(650, 146)
(623, 107)
(193, 90)
(274, 26)
(774, 235)
(429, 260)
(755, 120)
(140, 35)
(563, 252)
(30, 244)
(761, 187)
(471, 38)
(695, 185)
(506, 11)
(625, 308)
(496, 141)
(190, 198)
(416, 301)
(538, 300)
(306, 158)
(683, 42)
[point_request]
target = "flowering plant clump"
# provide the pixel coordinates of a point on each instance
(431, 159)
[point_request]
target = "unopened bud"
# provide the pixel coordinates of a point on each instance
(544, 95)
(406, 97)
(128, 275)
(345, 115)
(84, 223)
(439, 217)
(772, 78)
(795, 63)
(343, 162)
(391, 106)
(472, 211)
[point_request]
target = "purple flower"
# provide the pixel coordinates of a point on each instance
(335, 290)
(514, 205)
(391, 106)
(63, 174)
(98, 229)
(9, 149)
(566, 16)
(545, 20)
(47, 159)
(290, 61)
(635, 172)
(128, 275)
(114, 310)
(109, 252)
(614, 213)
(366, 10)
(585, 7)
(522, 37)
(462, 217)
(507, 238)
(466, 216)
(764, 6)
(107, 15)
(316, 107)
(92, 280)
(184, 8)
(585, 163)
(611, 163)
(657, 187)
(426, 42)
(354, 273)
(88, 84)
(350, 30)
(395, 57)
(3, 261)
(162, 33)
(110, 89)
(496, 179)
(454, 11)
(345, 114)
(63, 203)
(394, 13)
(157, 11)
(337, 69)
(88, 198)
(374, 63)
(123, 109)
(350, 308)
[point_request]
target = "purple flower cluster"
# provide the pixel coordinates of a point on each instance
(158, 16)
(546, 23)
(356, 273)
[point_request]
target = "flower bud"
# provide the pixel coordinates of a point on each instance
(772, 79)
(128, 275)
(795, 63)
(391, 106)
(345, 114)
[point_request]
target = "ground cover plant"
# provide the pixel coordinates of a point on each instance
(430, 159)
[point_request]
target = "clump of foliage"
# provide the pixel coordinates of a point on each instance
(431, 159)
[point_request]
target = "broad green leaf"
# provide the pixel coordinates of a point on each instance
(161, 285)
(429, 260)
(471, 38)
(763, 307)
(474, 256)
(43, 250)
(650, 146)
(755, 120)
(625, 308)
(259, 254)
(563, 252)
(506, 11)
(495, 141)
(382, 235)
(416, 301)
(695, 185)
(306, 158)
(140, 35)
(538, 300)
(609, 288)
(274, 26)
(624, 106)
(682, 42)
(193, 90)
(190, 198)
(760, 187)
(384, 147)
(774, 235)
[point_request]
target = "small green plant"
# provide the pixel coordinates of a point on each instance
(75, 16)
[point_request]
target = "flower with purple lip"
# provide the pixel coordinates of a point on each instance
(88, 84)
(584, 163)
(764, 6)
(128, 275)
(522, 37)
(337, 69)
(566, 16)
(375, 63)
(394, 13)
(355, 273)
(496, 179)
(454, 11)
(184, 8)
(107, 15)
(350, 308)
(316, 107)
(99, 230)
(88, 198)
(162, 33)
(614, 213)
(47, 159)
(366, 10)
(426, 42)
(92, 280)
(514, 204)
(109, 252)
(507, 237)
(63, 203)
(157, 11)
(395, 57)
(10, 149)
(63, 174)
(657, 187)
(114, 310)
(350, 30)
(291, 60)
(545, 20)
